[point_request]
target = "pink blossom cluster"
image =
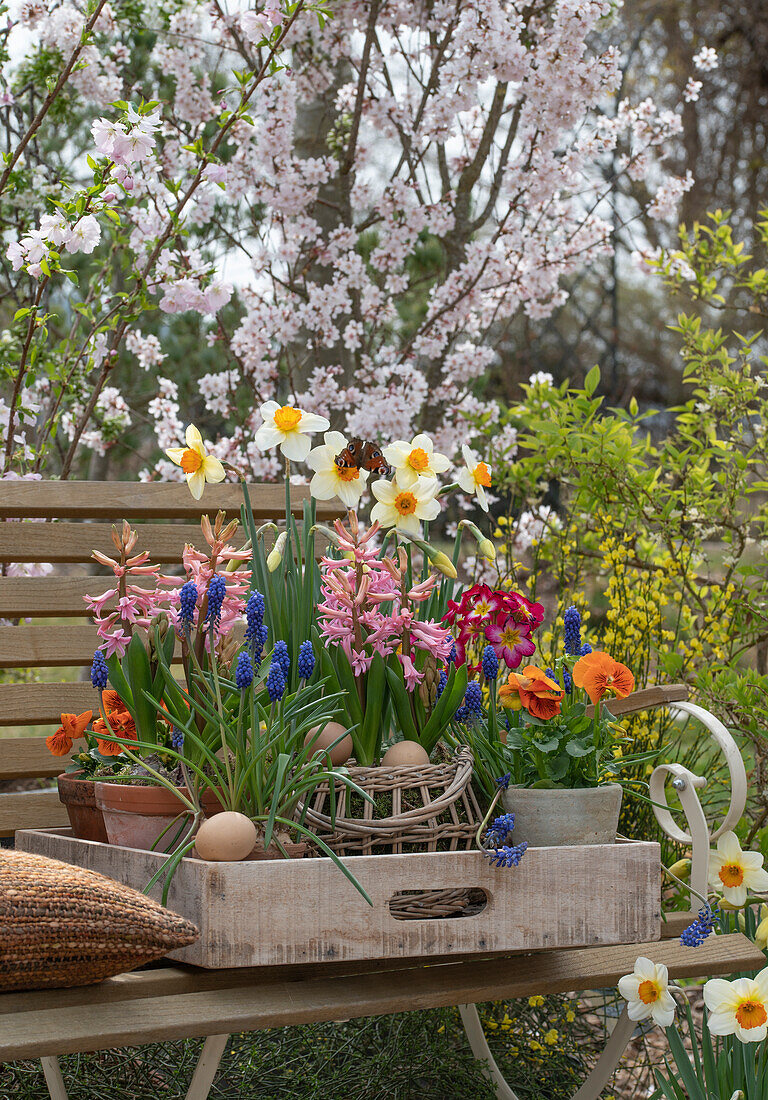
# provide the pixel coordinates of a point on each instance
(124, 605)
(476, 128)
(351, 616)
(200, 568)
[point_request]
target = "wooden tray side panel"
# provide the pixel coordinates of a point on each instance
(305, 911)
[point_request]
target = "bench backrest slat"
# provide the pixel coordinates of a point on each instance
(80, 516)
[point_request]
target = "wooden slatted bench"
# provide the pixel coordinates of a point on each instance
(172, 1002)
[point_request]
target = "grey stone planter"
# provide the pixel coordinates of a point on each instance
(550, 818)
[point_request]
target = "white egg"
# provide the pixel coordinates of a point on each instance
(226, 837)
(322, 737)
(404, 753)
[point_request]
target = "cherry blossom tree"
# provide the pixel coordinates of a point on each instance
(387, 182)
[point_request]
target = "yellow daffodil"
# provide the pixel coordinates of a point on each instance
(402, 508)
(288, 428)
(646, 991)
(198, 465)
(738, 1008)
(415, 459)
(329, 480)
(475, 477)
(734, 873)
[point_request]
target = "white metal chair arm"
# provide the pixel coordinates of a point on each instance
(699, 836)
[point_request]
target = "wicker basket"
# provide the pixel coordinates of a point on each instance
(428, 808)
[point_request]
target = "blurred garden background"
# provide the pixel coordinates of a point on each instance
(535, 229)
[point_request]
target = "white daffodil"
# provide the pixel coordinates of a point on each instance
(738, 1008)
(415, 459)
(646, 992)
(197, 464)
(330, 480)
(475, 477)
(734, 873)
(405, 508)
(288, 428)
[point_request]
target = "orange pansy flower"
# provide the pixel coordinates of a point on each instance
(599, 674)
(121, 724)
(533, 690)
(72, 726)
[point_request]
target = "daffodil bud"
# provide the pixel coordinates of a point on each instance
(761, 934)
(444, 565)
(487, 549)
(276, 554)
(681, 869)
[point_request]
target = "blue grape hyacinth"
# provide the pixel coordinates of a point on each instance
(276, 683)
(695, 934)
(508, 855)
(282, 656)
(572, 631)
(244, 670)
(306, 660)
(217, 590)
(99, 671)
(187, 604)
(490, 663)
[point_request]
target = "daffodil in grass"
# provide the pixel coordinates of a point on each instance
(415, 459)
(198, 465)
(405, 509)
(646, 991)
(475, 477)
(738, 1008)
(734, 873)
(329, 480)
(288, 428)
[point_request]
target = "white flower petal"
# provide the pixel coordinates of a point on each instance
(636, 1010)
(335, 441)
(409, 525)
(482, 499)
(268, 410)
(323, 485)
(663, 1011)
(721, 1023)
(719, 992)
(384, 515)
(729, 848)
(629, 987)
(735, 895)
(295, 446)
(424, 442)
(349, 492)
(385, 491)
(440, 463)
(175, 454)
(196, 483)
(645, 969)
(194, 439)
(406, 477)
(757, 880)
(311, 422)
(212, 469)
(751, 1034)
(268, 436)
(466, 481)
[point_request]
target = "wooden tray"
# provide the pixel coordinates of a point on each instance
(294, 911)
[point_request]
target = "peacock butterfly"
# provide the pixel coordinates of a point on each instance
(364, 455)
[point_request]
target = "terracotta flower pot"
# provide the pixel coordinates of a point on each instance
(551, 818)
(136, 816)
(79, 799)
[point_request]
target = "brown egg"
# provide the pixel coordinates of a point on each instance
(320, 737)
(226, 837)
(404, 752)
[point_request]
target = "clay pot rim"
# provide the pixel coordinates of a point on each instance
(146, 800)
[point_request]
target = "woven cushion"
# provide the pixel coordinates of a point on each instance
(65, 926)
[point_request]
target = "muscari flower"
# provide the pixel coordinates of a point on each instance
(442, 682)
(507, 855)
(695, 934)
(490, 663)
(275, 681)
(254, 616)
(550, 672)
(187, 604)
(217, 590)
(99, 671)
(243, 671)
(306, 660)
(585, 649)
(177, 739)
(572, 631)
(567, 680)
(281, 655)
(500, 829)
(473, 699)
(503, 781)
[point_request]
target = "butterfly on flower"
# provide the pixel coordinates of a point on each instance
(362, 454)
